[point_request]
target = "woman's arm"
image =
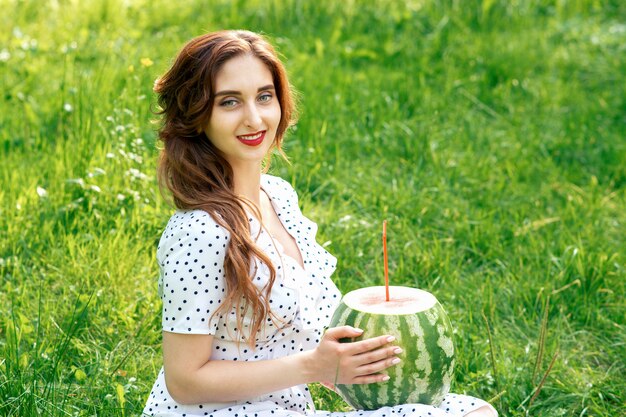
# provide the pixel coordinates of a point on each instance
(191, 378)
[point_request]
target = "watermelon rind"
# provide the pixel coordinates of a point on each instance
(423, 332)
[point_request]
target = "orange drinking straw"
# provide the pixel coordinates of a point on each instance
(385, 258)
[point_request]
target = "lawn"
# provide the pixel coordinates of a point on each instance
(490, 134)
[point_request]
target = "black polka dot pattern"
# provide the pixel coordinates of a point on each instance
(191, 259)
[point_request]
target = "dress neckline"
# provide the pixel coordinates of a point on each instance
(279, 246)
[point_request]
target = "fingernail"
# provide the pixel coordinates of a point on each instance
(397, 350)
(386, 378)
(391, 339)
(395, 361)
(358, 330)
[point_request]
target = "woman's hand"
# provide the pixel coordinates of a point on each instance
(359, 362)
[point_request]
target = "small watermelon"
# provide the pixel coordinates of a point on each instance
(421, 328)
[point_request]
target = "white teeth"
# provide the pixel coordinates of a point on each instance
(251, 137)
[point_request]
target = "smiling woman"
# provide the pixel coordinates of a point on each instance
(209, 101)
(246, 290)
(245, 108)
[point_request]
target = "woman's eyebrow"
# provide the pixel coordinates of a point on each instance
(238, 93)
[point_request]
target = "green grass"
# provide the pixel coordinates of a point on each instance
(489, 133)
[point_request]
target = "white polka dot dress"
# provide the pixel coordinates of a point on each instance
(191, 259)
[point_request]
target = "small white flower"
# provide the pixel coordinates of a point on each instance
(135, 194)
(134, 157)
(136, 174)
(79, 181)
(68, 107)
(42, 192)
(65, 48)
(5, 55)
(618, 28)
(121, 197)
(95, 188)
(110, 155)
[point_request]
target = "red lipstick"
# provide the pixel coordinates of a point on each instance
(253, 139)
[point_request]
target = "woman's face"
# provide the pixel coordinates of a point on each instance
(246, 111)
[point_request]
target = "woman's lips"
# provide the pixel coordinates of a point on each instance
(253, 139)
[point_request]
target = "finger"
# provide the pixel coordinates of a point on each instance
(369, 344)
(336, 333)
(370, 379)
(376, 367)
(377, 355)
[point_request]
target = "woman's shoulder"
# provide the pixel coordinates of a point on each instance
(273, 180)
(193, 219)
(195, 225)
(278, 187)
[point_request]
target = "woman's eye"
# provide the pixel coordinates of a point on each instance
(265, 97)
(228, 103)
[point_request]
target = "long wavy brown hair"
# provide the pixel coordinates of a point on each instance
(199, 177)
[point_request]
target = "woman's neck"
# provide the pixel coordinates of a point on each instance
(247, 181)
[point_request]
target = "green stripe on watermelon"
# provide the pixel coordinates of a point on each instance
(422, 330)
(362, 322)
(406, 388)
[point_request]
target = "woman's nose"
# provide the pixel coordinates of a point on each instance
(252, 116)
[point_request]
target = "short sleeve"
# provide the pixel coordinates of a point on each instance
(191, 259)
